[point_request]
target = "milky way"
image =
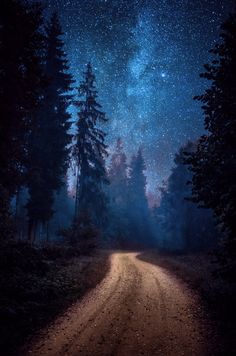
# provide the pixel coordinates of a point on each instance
(147, 56)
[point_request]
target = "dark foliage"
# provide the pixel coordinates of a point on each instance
(90, 151)
(6, 220)
(181, 224)
(118, 195)
(130, 217)
(83, 233)
(214, 163)
(138, 211)
(49, 139)
(37, 285)
(118, 174)
(21, 78)
(35, 91)
(64, 207)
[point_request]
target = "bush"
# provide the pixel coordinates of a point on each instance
(83, 234)
(35, 284)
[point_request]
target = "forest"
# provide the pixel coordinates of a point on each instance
(66, 193)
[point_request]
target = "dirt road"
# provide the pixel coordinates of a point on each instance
(138, 309)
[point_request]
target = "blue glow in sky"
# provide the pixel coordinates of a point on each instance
(147, 56)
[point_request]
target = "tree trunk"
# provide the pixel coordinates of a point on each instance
(32, 231)
(17, 222)
(47, 232)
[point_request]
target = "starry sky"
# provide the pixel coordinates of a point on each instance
(147, 56)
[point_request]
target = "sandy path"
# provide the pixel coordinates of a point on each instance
(138, 309)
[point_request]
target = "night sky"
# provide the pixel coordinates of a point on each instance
(147, 56)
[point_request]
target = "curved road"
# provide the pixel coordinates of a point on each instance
(138, 309)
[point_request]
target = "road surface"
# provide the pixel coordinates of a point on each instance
(138, 309)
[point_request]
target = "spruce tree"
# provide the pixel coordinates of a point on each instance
(118, 175)
(137, 181)
(118, 194)
(21, 41)
(21, 80)
(90, 152)
(214, 163)
(139, 214)
(181, 224)
(48, 157)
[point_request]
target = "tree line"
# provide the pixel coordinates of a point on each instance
(35, 87)
(130, 215)
(37, 147)
(36, 144)
(198, 201)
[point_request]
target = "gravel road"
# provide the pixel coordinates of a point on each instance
(138, 309)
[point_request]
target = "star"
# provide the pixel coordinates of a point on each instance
(147, 56)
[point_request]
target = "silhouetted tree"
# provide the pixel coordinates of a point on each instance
(21, 79)
(118, 175)
(138, 211)
(118, 193)
(214, 163)
(181, 225)
(64, 210)
(90, 152)
(6, 219)
(49, 140)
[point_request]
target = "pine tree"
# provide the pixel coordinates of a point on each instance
(48, 158)
(118, 193)
(118, 175)
(64, 210)
(21, 80)
(137, 181)
(21, 41)
(181, 225)
(90, 152)
(214, 163)
(139, 214)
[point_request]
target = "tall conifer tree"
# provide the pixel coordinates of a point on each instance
(214, 163)
(137, 181)
(90, 152)
(118, 194)
(48, 159)
(181, 225)
(118, 175)
(139, 214)
(21, 41)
